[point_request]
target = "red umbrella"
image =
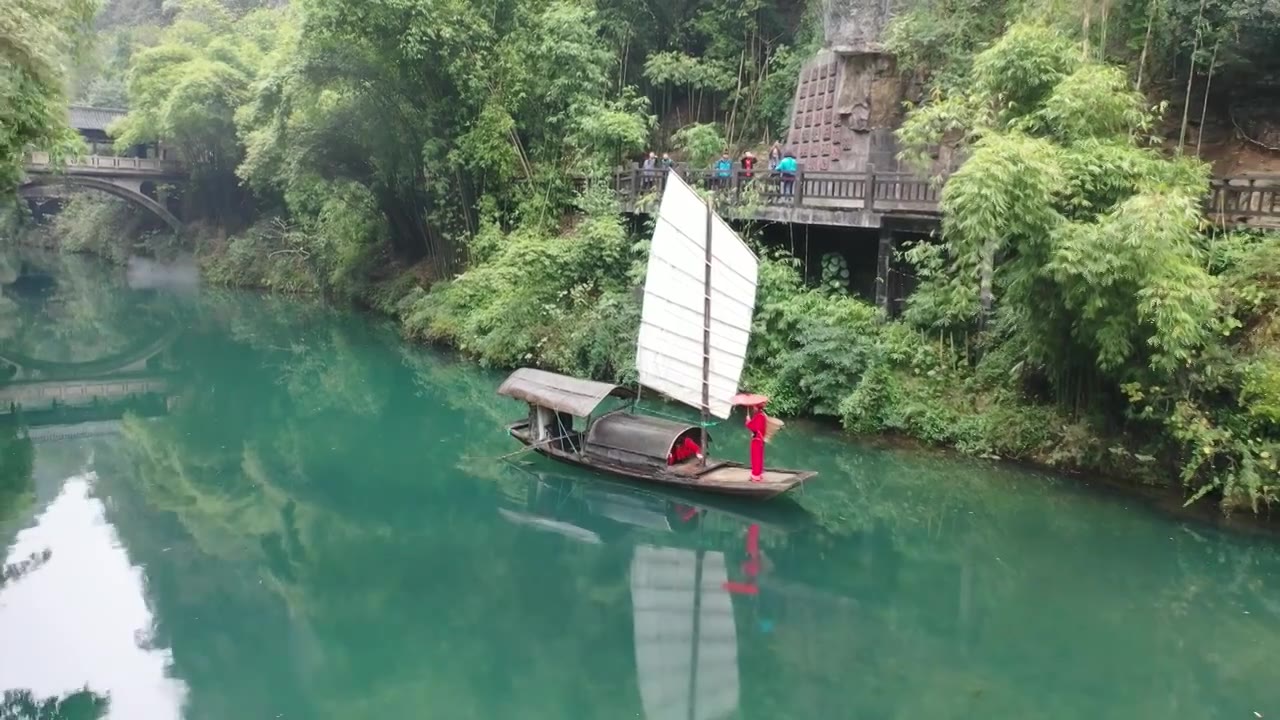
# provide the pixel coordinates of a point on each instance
(749, 400)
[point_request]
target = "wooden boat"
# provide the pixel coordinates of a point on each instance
(699, 301)
(563, 425)
(607, 506)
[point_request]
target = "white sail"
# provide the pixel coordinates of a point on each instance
(669, 353)
(686, 639)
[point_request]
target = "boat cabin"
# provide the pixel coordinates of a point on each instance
(565, 418)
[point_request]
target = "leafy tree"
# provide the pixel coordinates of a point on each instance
(1083, 244)
(186, 91)
(80, 705)
(38, 40)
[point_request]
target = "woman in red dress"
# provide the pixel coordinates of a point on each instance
(757, 421)
(684, 450)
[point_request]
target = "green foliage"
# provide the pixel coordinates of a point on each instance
(17, 460)
(1090, 244)
(108, 228)
(186, 91)
(720, 61)
(677, 68)
(700, 143)
(39, 39)
(21, 704)
(941, 38)
(271, 255)
(537, 299)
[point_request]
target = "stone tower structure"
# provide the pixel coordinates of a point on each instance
(848, 101)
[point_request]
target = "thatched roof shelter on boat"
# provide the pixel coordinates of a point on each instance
(559, 392)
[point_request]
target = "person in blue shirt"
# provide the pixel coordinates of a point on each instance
(788, 169)
(724, 170)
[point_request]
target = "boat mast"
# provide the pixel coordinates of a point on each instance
(697, 632)
(706, 338)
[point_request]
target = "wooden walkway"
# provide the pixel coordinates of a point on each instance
(869, 199)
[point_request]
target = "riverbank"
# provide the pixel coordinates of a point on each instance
(937, 401)
(569, 303)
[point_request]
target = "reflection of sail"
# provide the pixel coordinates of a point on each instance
(686, 640)
(635, 510)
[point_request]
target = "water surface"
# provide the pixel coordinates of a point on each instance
(302, 517)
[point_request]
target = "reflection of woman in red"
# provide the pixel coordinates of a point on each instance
(684, 450)
(757, 422)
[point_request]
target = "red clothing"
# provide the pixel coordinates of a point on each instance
(750, 568)
(756, 423)
(748, 165)
(686, 449)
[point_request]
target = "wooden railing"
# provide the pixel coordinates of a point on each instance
(1246, 200)
(869, 191)
(1251, 201)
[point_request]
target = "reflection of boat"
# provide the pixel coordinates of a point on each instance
(699, 302)
(585, 511)
(685, 634)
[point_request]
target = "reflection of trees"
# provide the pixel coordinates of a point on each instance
(355, 525)
(987, 592)
(15, 571)
(81, 705)
(329, 500)
(87, 315)
(17, 460)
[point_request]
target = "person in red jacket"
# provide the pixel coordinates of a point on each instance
(684, 450)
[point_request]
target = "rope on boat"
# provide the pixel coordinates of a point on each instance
(525, 449)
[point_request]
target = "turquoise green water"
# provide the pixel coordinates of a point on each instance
(304, 520)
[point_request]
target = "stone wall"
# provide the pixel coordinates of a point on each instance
(848, 100)
(856, 26)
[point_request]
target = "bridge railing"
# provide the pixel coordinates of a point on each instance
(1246, 200)
(106, 163)
(870, 190)
(1252, 200)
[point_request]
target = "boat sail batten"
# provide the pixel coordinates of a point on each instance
(671, 348)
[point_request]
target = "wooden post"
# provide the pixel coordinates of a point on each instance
(797, 195)
(871, 188)
(635, 181)
(884, 260)
(706, 337)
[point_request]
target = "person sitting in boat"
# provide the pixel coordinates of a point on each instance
(684, 450)
(757, 423)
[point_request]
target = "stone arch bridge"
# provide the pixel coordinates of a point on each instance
(57, 400)
(138, 176)
(135, 180)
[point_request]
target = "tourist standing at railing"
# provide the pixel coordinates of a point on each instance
(775, 156)
(788, 169)
(724, 170)
(648, 170)
(748, 166)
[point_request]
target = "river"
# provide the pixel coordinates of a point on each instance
(276, 509)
